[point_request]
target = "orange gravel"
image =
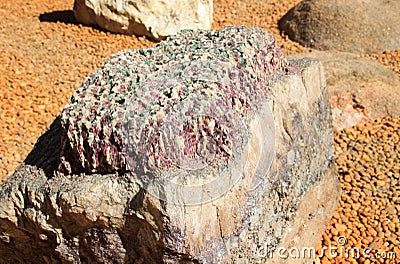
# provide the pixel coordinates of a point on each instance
(46, 55)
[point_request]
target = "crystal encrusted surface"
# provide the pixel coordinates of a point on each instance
(196, 86)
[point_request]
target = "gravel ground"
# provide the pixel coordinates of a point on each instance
(46, 55)
(368, 161)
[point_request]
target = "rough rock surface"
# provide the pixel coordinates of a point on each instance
(369, 26)
(156, 18)
(360, 89)
(78, 198)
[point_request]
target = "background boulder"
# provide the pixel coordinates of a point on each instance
(360, 89)
(355, 26)
(156, 19)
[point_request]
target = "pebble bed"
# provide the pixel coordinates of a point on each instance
(367, 217)
(46, 56)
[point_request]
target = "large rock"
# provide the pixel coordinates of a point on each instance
(210, 147)
(154, 18)
(355, 26)
(361, 89)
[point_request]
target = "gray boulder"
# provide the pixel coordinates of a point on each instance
(210, 147)
(156, 19)
(369, 26)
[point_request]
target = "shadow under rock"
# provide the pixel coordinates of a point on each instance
(64, 16)
(68, 17)
(46, 152)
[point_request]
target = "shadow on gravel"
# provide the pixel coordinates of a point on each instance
(68, 17)
(65, 16)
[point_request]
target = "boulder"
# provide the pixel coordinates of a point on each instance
(156, 19)
(368, 26)
(361, 89)
(209, 147)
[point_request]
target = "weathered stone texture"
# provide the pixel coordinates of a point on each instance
(154, 18)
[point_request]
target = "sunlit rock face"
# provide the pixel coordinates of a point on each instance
(156, 19)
